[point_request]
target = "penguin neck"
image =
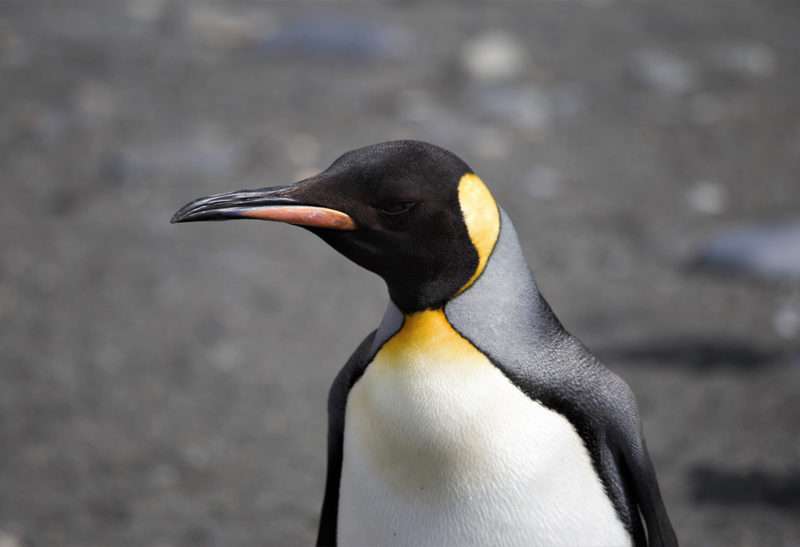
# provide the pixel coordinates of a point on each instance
(504, 297)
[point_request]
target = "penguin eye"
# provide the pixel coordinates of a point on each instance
(397, 207)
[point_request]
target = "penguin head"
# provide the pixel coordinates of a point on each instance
(411, 212)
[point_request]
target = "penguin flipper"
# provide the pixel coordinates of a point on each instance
(337, 401)
(642, 486)
(636, 476)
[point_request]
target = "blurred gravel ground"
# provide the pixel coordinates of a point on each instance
(165, 385)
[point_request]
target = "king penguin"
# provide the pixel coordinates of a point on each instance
(469, 416)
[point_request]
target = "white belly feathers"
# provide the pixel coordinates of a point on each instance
(440, 448)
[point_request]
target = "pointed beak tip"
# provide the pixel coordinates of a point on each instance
(178, 217)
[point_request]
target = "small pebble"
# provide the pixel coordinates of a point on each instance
(769, 251)
(224, 30)
(786, 321)
(494, 56)
(707, 198)
(664, 71)
(747, 59)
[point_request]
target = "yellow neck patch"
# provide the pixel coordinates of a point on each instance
(481, 217)
(426, 339)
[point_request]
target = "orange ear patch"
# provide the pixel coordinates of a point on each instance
(481, 217)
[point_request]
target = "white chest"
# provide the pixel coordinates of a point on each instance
(445, 451)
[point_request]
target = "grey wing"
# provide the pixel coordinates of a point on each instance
(636, 482)
(638, 473)
(337, 401)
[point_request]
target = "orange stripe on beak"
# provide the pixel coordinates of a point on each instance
(303, 215)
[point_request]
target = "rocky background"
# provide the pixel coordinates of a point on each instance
(164, 385)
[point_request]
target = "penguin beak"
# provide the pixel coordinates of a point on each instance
(265, 204)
